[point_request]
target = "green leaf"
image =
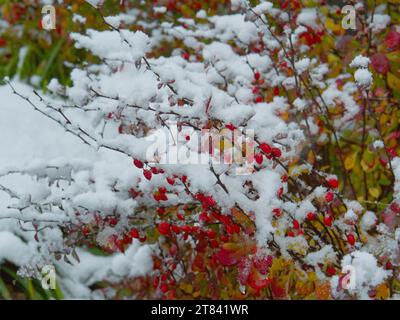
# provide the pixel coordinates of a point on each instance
(4, 293)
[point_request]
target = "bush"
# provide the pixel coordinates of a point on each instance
(319, 196)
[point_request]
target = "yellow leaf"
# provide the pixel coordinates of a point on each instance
(350, 161)
(394, 56)
(364, 166)
(382, 291)
(312, 276)
(186, 287)
(393, 81)
(331, 25)
(374, 192)
(323, 291)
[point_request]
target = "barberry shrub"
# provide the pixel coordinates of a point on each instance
(319, 202)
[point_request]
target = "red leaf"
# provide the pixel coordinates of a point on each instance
(380, 63)
(227, 258)
(277, 290)
(392, 40)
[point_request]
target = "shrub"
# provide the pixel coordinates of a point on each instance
(319, 195)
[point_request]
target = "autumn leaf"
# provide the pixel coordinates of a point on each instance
(382, 291)
(380, 63)
(323, 291)
(393, 81)
(350, 161)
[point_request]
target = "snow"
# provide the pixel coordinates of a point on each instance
(135, 46)
(27, 136)
(302, 65)
(367, 273)
(130, 106)
(380, 22)
(308, 17)
(300, 104)
(360, 62)
(363, 77)
(368, 220)
(28, 140)
(378, 144)
(324, 255)
(13, 249)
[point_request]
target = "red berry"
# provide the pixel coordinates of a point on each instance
(230, 126)
(186, 55)
(333, 183)
(211, 233)
(180, 216)
(296, 224)
(310, 216)
(290, 234)
(85, 231)
(224, 238)
(256, 90)
(259, 158)
(175, 229)
(164, 228)
(230, 229)
(236, 228)
(276, 152)
(329, 196)
(328, 221)
(171, 181)
(266, 148)
(257, 76)
(204, 217)
(134, 233)
(351, 239)
(127, 239)
(259, 99)
(331, 271)
(214, 243)
(113, 221)
(138, 163)
(209, 201)
(185, 229)
(164, 288)
(147, 174)
(277, 212)
(164, 276)
(154, 170)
